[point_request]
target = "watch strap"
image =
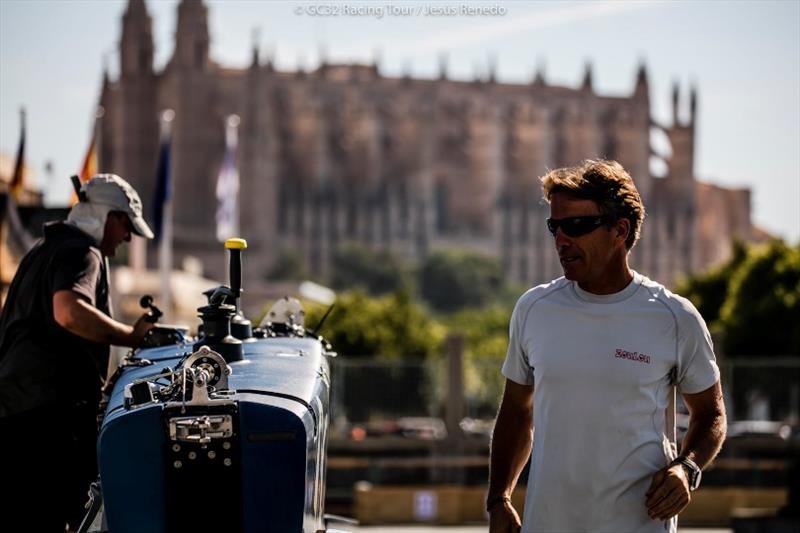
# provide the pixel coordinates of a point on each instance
(692, 469)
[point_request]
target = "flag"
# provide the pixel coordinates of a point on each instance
(89, 167)
(163, 192)
(228, 185)
(18, 179)
(18, 236)
(162, 211)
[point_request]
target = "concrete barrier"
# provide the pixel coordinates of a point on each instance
(455, 505)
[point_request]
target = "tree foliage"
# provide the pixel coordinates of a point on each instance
(753, 300)
(708, 290)
(288, 266)
(485, 333)
(453, 280)
(377, 272)
(390, 326)
(761, 313)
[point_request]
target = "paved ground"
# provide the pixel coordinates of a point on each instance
(478, 529)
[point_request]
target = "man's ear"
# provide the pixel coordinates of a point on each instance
(623, 227)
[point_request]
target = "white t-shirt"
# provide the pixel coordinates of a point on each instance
(600, 366)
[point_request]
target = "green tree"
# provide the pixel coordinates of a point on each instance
(708, 290)
(761, 313)
(452, 280)
(288, 266)
(485, 333)
(390, 326)
(378, 273)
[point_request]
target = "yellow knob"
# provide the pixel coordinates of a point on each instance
(235, 244)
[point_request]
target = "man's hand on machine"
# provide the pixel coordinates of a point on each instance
(142, 326)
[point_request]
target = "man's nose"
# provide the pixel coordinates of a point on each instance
(562, 240)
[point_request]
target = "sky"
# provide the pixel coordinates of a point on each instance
(743, 57)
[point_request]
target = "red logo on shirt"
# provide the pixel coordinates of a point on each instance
(633, 356)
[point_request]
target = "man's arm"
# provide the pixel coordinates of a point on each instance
(669, 491)
(78, 316)
(511, 447)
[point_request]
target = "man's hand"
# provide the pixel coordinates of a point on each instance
(503, 518)
(668, 494)
(140, 329)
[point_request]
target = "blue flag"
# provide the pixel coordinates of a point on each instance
(163, 192)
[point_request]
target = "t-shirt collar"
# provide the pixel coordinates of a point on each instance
(616, 297)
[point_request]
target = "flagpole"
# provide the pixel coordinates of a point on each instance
(165, 244)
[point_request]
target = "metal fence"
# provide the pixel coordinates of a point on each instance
(762, 388)
(371, 389)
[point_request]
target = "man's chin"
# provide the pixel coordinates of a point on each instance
(572, 274)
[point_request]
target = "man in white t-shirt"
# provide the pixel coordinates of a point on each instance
(591, 363)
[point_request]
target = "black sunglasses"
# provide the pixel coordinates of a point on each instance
(577, 226)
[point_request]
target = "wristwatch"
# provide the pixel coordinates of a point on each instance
(692, 470)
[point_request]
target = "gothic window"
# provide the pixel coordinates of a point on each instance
(670, 226)
(560, 150)
(442, 212)
(610, 147)
(559, 141)
(523, 225)
(403, 208)
(352, 219)
(199, 54)
(299, 212)
(281, 211)
(388, 145)
(143, 61)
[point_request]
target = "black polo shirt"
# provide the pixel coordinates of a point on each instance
(42, 363)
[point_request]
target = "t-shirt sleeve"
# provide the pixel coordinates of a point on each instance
(697, 365)
(78, 270)
(516, 366)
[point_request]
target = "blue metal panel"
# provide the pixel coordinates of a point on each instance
(131, 461)
(273, 444)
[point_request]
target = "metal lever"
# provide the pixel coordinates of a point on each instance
(146, 302)
(235, 247)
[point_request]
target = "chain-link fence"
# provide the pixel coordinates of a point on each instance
(762, 388)
(374, 389)
(370, 389)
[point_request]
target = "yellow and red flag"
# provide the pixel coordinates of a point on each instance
(89, 167)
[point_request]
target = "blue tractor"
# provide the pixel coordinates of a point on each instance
(225, 433)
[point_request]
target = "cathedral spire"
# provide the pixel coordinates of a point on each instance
(676, 102)
(191, 36)
(693, 105)
(136, 46)
(586, 85)
(538, 76)
(256, 59)
(491, 68)
(442, 66)
(642, 89)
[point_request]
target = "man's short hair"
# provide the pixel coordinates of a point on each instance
(606, 183)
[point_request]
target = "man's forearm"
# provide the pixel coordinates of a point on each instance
(79, 317)
(707, 425)
(704, 438)
(511, 447)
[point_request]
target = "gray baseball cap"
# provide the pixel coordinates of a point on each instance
(112, 191)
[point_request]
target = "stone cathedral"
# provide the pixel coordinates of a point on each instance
(342, 154)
